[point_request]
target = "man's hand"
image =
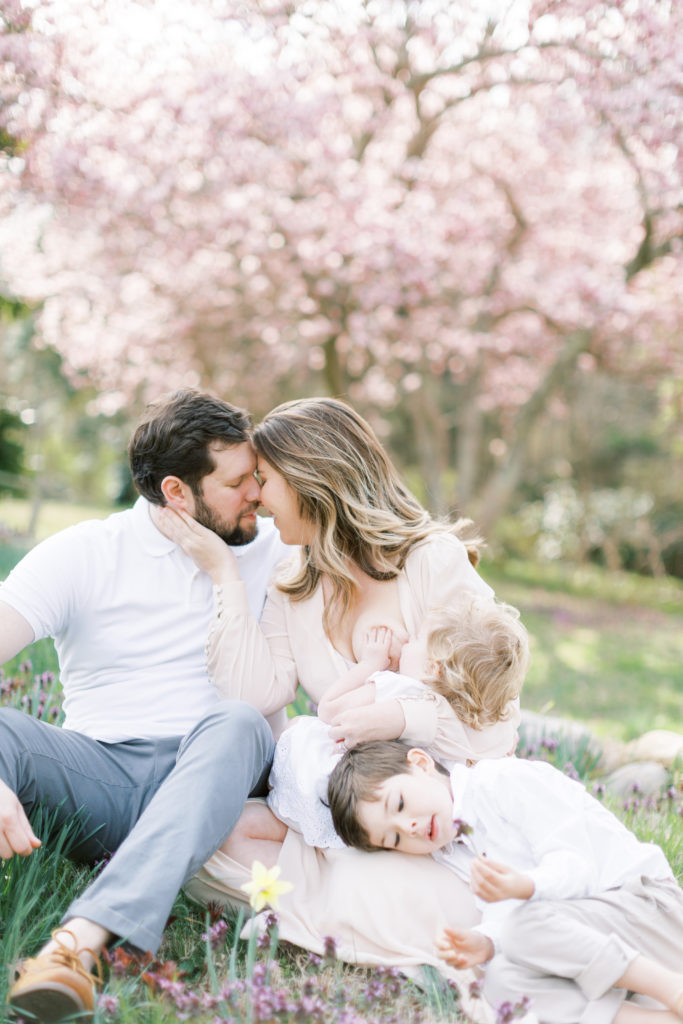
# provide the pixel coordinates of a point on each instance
(491, 881)
(16, 834)
(464, 948)
(383, 721)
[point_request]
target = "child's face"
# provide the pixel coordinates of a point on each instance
(414, 810)
(414, 660)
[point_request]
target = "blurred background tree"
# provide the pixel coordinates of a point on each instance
(465, 218)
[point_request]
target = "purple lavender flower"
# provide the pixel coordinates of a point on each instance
(461, 828)
(507, 1011)
(216, 934)
(109, 1005)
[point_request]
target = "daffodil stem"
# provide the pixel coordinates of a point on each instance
(232, 969)
(251, 944)
(211, 967)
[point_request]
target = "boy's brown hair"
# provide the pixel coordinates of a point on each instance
(357, 777)
(480, 654)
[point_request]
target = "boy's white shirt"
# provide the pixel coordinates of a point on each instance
(532, 817)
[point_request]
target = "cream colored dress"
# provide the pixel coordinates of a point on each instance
(381, 908)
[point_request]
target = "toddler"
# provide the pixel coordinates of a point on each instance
(470, 659)
(576, 912)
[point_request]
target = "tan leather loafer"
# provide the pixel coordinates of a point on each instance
(53, 986)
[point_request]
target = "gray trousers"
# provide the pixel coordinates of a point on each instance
(566, 955)
(164, 806)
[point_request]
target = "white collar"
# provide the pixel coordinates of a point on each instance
(152, 539)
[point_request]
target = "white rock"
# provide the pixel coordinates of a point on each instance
(649, 777)
(660, 745)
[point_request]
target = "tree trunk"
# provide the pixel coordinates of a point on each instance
(501, 485)
(431, 441)
(470, 431)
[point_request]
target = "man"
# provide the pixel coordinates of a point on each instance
(157, 766)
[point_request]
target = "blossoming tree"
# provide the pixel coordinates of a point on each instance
(447, 206)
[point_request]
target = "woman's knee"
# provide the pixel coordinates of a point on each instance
(257, 821)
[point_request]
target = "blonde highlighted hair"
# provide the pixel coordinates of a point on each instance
(346, 486)
(479, 650)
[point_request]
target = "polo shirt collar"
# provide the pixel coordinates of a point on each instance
(152, 539)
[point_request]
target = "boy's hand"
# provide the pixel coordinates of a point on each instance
(374, 651)
(463, 949)
(491, 881)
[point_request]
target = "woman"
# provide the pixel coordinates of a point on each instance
(369, 554)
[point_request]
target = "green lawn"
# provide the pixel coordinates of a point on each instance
(603, 660)
(15, 514)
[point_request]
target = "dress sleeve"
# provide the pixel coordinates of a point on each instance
(431, 719)
(245, 660)
(438, 571)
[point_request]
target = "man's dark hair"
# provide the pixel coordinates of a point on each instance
(358, 776)
(175, 437)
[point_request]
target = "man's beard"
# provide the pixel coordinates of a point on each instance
(230, 533)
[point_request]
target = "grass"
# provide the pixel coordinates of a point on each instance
(600, 656)
(597, 655)
(15, 515)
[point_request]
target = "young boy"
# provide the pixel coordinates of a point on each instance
(576, 911)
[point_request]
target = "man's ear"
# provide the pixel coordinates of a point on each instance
(420, 759)
(178, 494)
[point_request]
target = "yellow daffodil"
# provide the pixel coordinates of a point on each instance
(264, 887)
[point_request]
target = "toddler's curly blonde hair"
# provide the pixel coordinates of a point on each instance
(479, 654)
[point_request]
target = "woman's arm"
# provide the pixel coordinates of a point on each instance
(433, 721)
(245, 660)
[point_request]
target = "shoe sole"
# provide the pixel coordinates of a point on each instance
(49, 1003)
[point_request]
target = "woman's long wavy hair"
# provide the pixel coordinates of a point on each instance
(348, 488)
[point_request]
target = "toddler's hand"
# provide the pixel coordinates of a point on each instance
(492, 881)
(464, 948)
(375, 648)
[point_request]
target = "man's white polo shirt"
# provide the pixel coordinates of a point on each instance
(130, 613)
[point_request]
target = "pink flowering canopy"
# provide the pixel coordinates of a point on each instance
(382, 198)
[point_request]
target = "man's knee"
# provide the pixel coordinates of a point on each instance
(15, 727)
(232, 729)
(238, 718)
